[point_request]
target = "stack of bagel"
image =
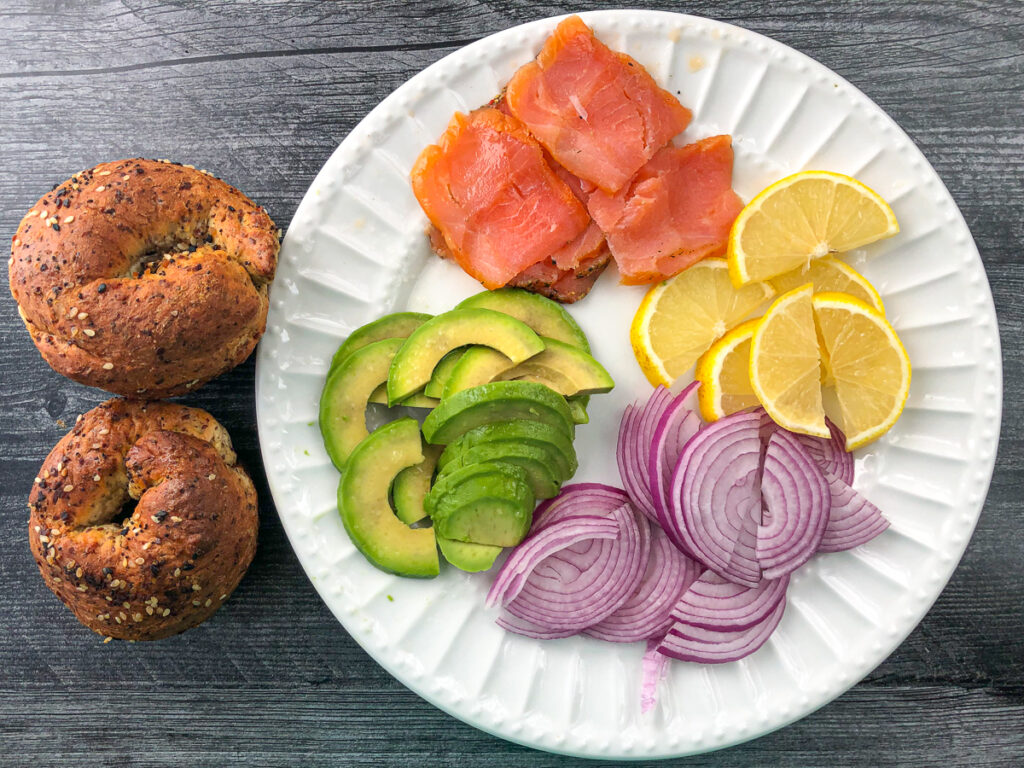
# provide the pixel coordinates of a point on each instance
(145, 278)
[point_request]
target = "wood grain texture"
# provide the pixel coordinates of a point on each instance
(261, 94)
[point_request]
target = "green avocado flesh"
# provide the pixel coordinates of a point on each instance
(561, 362)
(488, 503)
(546, 317)
(386, 541)
(415, 400)
(346, 394)
(465, 556)
(443, 371)
(578, 409)
(498, 401)
(414, 364)
(478, 365)
(412, 485)
(545, 480)
(552, 440)
(395, 326)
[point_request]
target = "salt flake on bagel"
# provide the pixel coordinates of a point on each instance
(143, 277)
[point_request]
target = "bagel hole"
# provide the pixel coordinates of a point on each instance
(149, 261)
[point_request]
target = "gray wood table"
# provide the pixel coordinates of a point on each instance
(261, 93)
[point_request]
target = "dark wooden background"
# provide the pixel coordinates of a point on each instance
(261, 93)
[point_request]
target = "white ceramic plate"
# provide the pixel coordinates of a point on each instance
(356, 250)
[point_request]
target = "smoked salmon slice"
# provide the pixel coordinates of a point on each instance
(499, 206)
(599, 113)
(676, 210)
(563, 285)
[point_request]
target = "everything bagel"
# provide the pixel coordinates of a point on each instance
(143, 277)
(171, 562)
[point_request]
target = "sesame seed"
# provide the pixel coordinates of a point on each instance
(207, 603)
(38, 529)
(107, 639)
(60, 465)
(38, 480)
(103, 173)
(58, 579)
(17, 242)
(212, 476)
(126, 604)
(196, 588)
(68, 219)
(69, 488)
(117, 619)
(167, 612)
(73, 312)
(100, 188)
(104, 432)
(95, 478)
(174, 313)
(55, 532)
(10, 262)
(78, 418)
(177, 571)
(80, 588)
(137, 616)
(152, 601)
(43, 213)
(108, 366)
(95, 446)
(147, 545)
(78, 572)
(44, 539)
(125, 177)
(149, 610)
(196, 603)
(140, 560)
(122, 614)
(223, 597)
(114, 583)
(175, 519)
(82, 315)
(90, 333)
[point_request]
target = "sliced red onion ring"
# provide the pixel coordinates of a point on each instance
(716, 499)
(653, 665)
(796, 501)
(852, 520)
(830, 454)
(707, 646)
(578, 499)
(677, 425)
(556, 536)
(647, 613)
(580, 585)
(636, 433)
(712, 602)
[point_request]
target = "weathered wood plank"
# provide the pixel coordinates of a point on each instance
(261, 94)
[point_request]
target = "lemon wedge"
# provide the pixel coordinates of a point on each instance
(829, 274)
(681, 317)
(785, 365)
(724, 374)
(802, 217)
(866, 363)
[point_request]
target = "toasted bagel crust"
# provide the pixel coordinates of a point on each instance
(172, 562)
(114, 297)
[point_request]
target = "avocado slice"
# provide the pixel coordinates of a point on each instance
(546, 317)
(578, 409)
(443, 372)
(466, 556)
(585, 374)
(478, 365)
(498, 401)
(386, 541)
(394, 326)
(412, 485)
(346, 394)
(559, 448)
(414, 364)
(545, 480)
(415, 400)
(487, 503)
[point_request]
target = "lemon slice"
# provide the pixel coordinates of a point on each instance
(724, 374)
(830, 274)
(680, 318)
(785, 366)
(867, 365)
(802, 217)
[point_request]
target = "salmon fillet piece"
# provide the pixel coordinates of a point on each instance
(563, 285)
(677, 210)
(599, 113)
(488, 189)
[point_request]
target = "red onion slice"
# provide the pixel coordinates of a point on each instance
(580, 585)
(647, 613)
(636, 433)
(556, 536)
(852, 520)
(796, 506)
(677, 425)
(830, 454)
(707, 646)
(578, 499)
(712, 602)
(716, 499)
(654, 665)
